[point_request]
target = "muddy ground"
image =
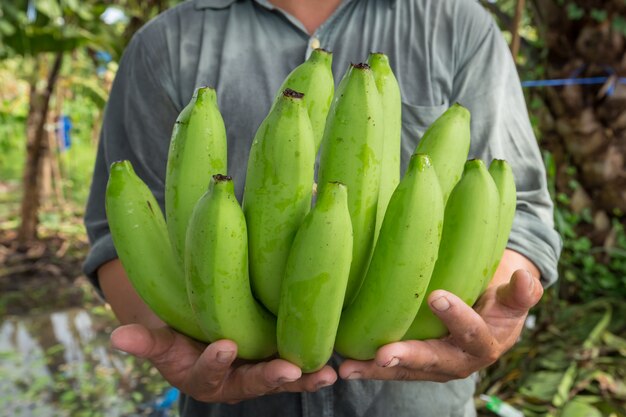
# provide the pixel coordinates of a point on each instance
(46, 276)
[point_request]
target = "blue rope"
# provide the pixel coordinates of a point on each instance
(572, 81)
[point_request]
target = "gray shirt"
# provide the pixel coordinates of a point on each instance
(442, 51)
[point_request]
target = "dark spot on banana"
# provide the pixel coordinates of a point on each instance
(292, 93)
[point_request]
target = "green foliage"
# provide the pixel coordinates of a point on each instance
(11, 144)
(593, 271)
(587, 270)
(53, 26)
(84, 99)
(77, 162)
(575, 354)
(90, 89)
(598, 15)
(619, 24)
(574, 12)
(13, 112)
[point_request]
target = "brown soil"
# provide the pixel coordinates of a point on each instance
(45, 276)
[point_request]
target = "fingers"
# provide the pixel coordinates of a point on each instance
(279, 381)
(369, 370)
(254, 380)
(216, 379)
(142, 342)
(411, 360)
(313, 381)
(429, 360)
(214, 376)
(521, 293)
(209, 373)
(467, 328)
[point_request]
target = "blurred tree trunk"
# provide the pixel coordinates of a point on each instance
(515, 35)
(36, 147)
(585, 125)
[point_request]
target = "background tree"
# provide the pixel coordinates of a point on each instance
(41, 34)
(583, 132)
(585, 125)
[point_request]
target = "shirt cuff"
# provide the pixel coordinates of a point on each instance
(539, 243)
(102, 251)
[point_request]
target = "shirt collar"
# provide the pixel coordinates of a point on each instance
(222, 4)
(213, 4)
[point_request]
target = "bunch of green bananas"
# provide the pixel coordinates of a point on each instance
(278, 274)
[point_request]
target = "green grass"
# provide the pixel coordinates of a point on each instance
(75, 165)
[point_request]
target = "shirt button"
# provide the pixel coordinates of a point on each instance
(315, 43)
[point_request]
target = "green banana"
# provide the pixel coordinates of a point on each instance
(216, 269)
(466, 251)
(502, 175)
(315, 281)
(277, 192)
(351, 153)
(313, 78)
(197, 151)
(140, 237)
(389, 90)
(447, 142)
(401, 265)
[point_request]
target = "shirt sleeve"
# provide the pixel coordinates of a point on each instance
(137, 126)
(487, 83)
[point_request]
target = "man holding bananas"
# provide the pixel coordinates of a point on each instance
(442, 51)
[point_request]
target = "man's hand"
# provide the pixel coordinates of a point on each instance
(478, 337)
(206, 373)
(210, 373)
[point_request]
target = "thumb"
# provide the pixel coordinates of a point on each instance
(521, 293)
(140, 341)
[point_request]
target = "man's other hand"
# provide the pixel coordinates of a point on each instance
(478, 337)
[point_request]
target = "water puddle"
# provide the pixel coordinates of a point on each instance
(60, 364)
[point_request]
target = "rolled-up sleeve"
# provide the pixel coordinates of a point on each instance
(137, 125)
(486, 81)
